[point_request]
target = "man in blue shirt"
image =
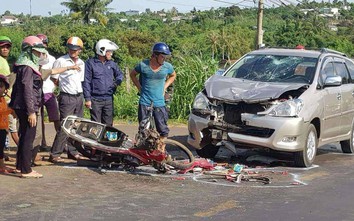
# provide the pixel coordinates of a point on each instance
(102, 76)
(155, 76)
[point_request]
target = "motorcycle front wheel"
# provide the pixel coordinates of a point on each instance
(179, 156)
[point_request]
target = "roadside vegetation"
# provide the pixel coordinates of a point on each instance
(199, 40)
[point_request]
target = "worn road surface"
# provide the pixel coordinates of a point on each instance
(69, 192)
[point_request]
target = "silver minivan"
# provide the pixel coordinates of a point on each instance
(291, 100)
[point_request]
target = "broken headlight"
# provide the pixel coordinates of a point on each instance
(289, 108)
(201, 102)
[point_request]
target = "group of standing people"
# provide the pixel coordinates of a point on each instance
(90, 84)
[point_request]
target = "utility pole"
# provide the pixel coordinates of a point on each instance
(260, 25)
(30, 7)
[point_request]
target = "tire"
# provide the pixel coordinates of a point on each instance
(209, 151)
(86, 152)
(306, 157)
(347, 145)
(179, 153)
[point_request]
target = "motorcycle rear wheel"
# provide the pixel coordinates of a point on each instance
(180, 157)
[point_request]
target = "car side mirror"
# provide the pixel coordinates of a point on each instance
(333, 81)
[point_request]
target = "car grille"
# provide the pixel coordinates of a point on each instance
(232, 112)
(233, 116)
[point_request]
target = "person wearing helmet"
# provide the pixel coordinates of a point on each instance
(4, 122)
(152, 85)
(26, 98)
(70, 97)
(5, 49)
(102, 76)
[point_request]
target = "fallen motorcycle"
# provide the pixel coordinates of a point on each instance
(109, 145)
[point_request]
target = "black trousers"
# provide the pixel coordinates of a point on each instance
(68, 105)
(3, 134)
(25, 146)
(102, 111)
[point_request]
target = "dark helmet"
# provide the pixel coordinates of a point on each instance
(162, 48)
(4, 40)
(4, 79)
(44, 38)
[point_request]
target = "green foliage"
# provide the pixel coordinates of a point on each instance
(192, 72)
(199, 40)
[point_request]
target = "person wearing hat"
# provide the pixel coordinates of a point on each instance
(5, 49)
(4, 122)
(26, 98)
(70, 97)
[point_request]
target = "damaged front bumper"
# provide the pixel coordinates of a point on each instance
(277, 133)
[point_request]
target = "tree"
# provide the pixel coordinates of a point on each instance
(87, 9)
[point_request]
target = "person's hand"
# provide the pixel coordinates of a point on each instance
(88, 104)
(32, 119)
(74, 67)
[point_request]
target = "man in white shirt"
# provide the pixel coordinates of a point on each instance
(70, 98)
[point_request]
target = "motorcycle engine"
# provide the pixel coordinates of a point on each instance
(147, 139)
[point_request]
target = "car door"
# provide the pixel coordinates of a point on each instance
(332, 100)
(347, 91)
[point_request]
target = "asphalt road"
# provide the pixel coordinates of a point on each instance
(71, 192)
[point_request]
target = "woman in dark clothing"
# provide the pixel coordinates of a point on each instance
(26, 99)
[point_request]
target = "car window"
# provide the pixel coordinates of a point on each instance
(327, 71)
(274, 68)
(350, 66)
(342, 71)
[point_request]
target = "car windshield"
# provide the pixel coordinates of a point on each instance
(274, 68)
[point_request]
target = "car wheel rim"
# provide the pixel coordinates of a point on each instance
(311, 146)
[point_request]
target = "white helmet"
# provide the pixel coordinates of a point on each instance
(104, 45)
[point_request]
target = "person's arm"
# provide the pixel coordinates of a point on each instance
(27, 82)
(135, 80)
(86, 84)
(170, 80)
(118, 75)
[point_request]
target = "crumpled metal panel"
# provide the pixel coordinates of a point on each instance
(236, 89)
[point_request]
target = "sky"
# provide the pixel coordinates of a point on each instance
(43, 7)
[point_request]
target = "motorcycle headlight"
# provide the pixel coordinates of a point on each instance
(201, 102)
(289, 108)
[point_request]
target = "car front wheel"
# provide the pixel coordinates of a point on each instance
(208, 151)
(306, 157)
(347, 145)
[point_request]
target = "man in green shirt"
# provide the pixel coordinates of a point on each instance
(5, 48)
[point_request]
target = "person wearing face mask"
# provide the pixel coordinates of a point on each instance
(102, 76)
(155, 76)
(46, 62)
(26, 100)
(70, 97)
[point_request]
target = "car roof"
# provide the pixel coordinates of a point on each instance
(288, 52)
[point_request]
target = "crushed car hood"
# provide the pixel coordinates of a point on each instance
(236, 89)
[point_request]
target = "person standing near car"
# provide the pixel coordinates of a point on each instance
(26, 98)
(70, 97)
(155, 76)
(102, 76)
